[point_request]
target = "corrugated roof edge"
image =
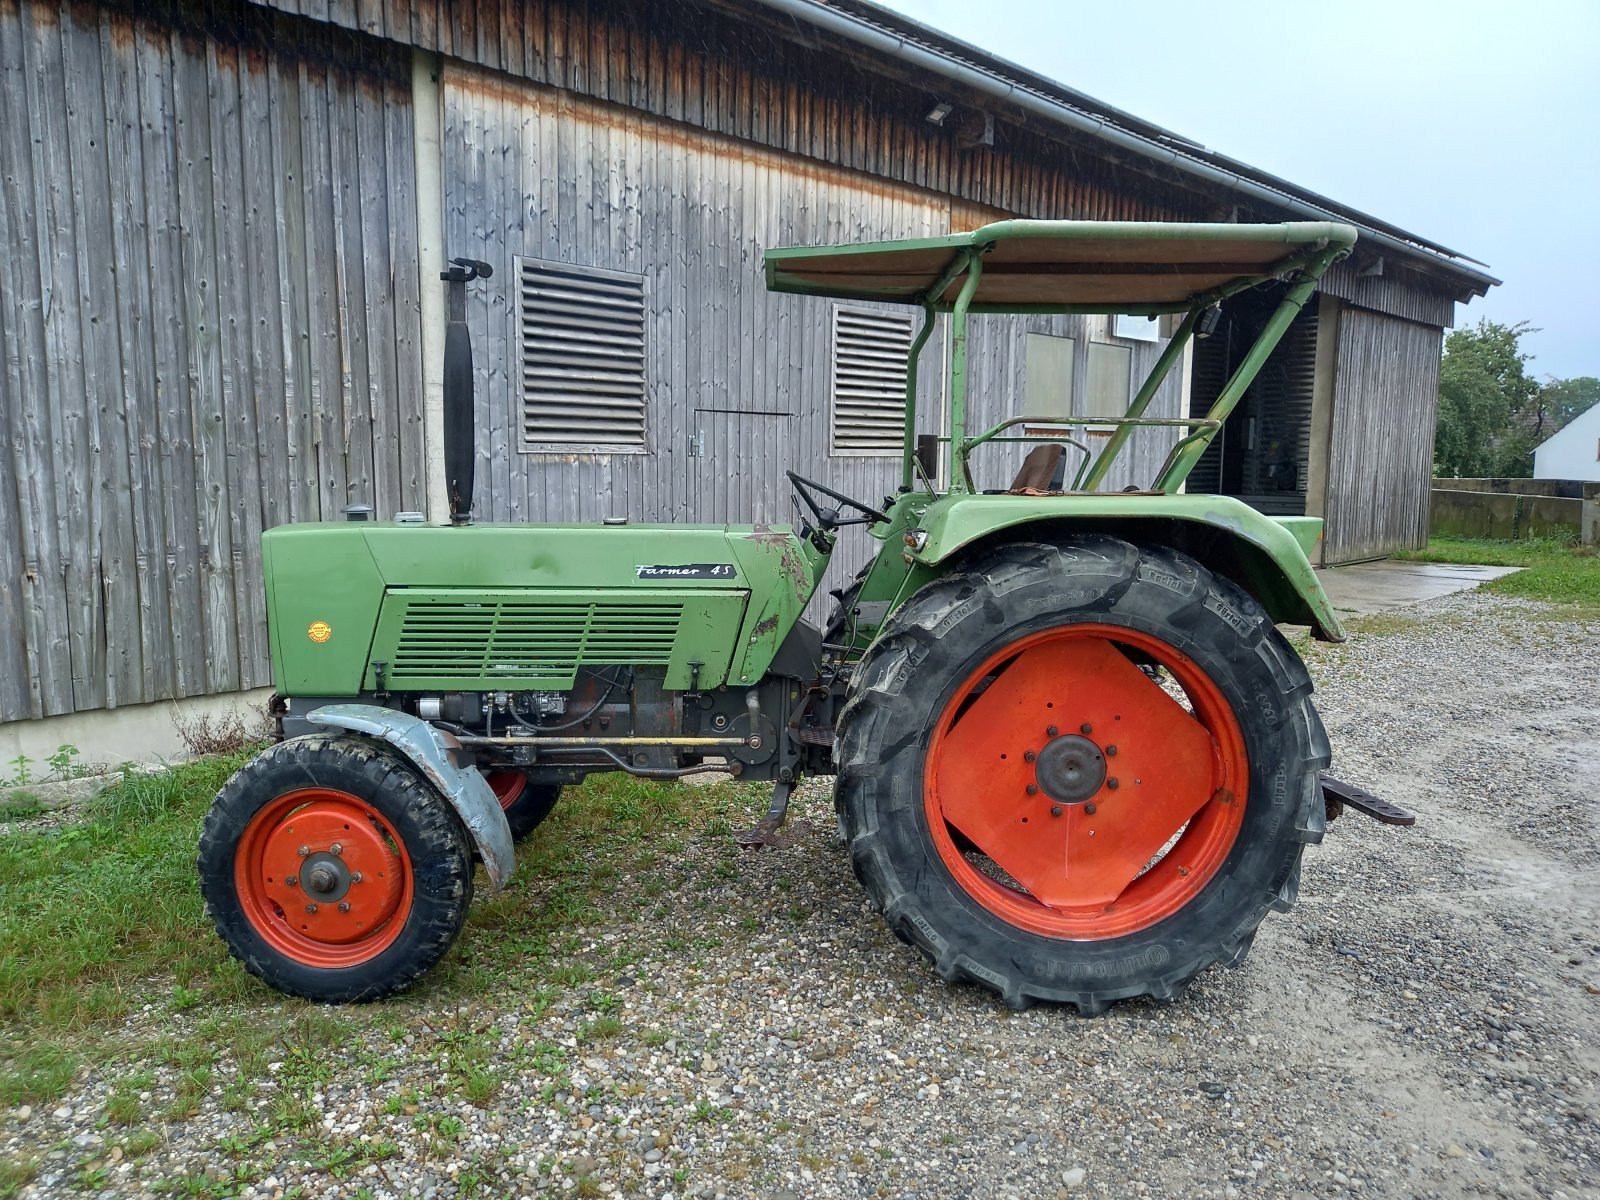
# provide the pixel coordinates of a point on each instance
(886, 31)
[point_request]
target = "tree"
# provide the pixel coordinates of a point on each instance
(1486, 398)
(1560, 400)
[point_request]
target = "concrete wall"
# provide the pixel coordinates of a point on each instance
(1538, 511)
(142, 733)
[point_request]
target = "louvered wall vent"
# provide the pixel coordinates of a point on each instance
(869, 380)
(583, 373)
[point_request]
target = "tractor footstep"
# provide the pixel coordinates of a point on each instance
(778, 839)
(1339, 795)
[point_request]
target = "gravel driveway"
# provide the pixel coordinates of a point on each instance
(1425, 1023)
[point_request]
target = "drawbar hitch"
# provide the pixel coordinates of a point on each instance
(1338, 796)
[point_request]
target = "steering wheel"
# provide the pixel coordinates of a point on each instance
(829, 518)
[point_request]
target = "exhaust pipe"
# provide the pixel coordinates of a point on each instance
(459, 451)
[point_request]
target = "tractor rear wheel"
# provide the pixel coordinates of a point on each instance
(333, 870)
(1080, 772)
(526, 804)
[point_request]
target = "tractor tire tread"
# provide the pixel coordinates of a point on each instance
(436, 843)
(863, 755)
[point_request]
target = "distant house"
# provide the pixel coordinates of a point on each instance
(1573, 452)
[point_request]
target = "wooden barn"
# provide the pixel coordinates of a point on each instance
(222, 226)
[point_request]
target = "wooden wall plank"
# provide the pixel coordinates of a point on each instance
(145, 577)
(47, 668)
(73, 432)
(300, 501)
(405, 336)
(201, 318)
(235, 441)
(367, 226)
(173, 423)
(324, 367)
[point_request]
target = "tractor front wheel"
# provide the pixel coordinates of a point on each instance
(1080, 772)
(333, 870)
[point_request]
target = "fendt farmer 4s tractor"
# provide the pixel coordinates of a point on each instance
(1075, 759)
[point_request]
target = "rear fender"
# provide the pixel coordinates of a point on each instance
(432, 752)
(1264, 556)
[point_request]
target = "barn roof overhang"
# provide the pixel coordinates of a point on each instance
(878, 35)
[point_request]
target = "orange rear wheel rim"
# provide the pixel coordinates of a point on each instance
(507, 786)
(323, 878)
(1073, 796)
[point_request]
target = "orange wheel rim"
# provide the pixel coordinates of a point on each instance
(1072, 795)
(507, 786)
(323, 878)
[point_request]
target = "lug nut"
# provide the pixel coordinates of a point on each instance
(1086, 729)
(344, 906)
(1028, 756)
(311, 908)
(1111, 751)
(336, 849)
(1033, 789)
(291, 880)
(1051, 731)
(1055, 810)
(1089, 808)
(303, 851)
(355, 876)
(1112, 783)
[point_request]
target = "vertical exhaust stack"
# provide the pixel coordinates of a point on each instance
(459, 450)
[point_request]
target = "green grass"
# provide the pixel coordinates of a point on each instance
(107, 959)
(1555, 571)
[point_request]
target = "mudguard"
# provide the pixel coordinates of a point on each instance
(431, 752)
(1265, 556)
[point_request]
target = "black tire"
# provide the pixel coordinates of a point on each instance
(525, 803)
(402, 812)
(931, 646)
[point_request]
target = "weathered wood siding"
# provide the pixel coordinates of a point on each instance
(1380, 458)
(544, 174)
(209, 327)
(755, 77)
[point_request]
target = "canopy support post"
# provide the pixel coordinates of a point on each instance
(1141, 401)
(909, 450)
(1305, 284)
(961, 479)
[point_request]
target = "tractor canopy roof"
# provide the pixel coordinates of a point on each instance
(1143, 267)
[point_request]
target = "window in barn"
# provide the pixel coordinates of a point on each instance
(1110, 380)
(583, 373)
(1047, 383)
(869, 380)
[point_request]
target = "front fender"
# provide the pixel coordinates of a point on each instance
(1264, 556)
(432, 751)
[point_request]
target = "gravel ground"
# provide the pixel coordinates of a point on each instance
(1425, 1023)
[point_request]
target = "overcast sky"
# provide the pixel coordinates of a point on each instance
(1472, 124)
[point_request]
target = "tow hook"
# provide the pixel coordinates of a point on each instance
(1338, 796)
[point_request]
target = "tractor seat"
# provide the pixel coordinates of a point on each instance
(1038, 470)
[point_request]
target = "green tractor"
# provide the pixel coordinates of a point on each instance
(1075, 760)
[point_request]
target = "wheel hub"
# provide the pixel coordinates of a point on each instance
(1070, 769)
(325, 878)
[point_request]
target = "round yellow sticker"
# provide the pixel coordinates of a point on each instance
(319, 632)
